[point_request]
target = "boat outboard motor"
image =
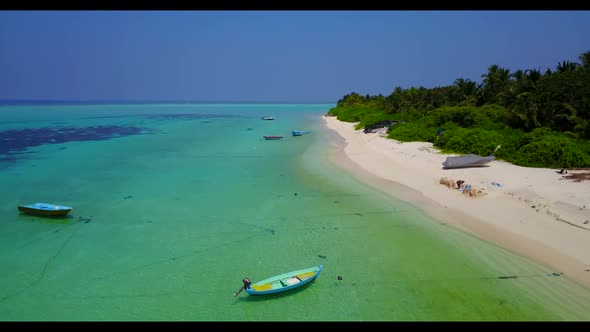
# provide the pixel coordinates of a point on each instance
(247, 284)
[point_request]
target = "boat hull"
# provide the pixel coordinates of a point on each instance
(299, 132)
(45, 209)
(270, 138)
(285, 281)
(470, 160)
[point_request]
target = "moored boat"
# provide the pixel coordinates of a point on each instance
(299, 132)
(282, 282)
(45, 209)
(272, 137)
(268, 118)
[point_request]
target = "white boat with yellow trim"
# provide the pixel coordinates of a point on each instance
(282, 282)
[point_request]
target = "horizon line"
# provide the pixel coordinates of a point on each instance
(146, 101)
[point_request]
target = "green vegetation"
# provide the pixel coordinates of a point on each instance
(540, 120)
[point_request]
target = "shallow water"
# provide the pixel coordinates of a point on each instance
(175, 204)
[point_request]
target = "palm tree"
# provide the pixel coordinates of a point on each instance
(527, 110)
(525, 81)
(466, 92)
(533, 75)
(566, 66)
(395, 99)
(518, 75)
(494, 82)
(466, 86)
(585, 60)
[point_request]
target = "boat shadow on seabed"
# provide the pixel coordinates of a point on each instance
(68, 219)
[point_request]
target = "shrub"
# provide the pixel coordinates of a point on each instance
(476, 141)
(411, 132)
(550, 151)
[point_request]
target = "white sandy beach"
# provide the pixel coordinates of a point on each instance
(536, 212)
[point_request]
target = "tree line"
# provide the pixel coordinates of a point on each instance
(526, 110)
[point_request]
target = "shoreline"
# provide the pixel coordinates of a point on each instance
(536, 212)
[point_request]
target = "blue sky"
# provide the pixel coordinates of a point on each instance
(270, 56)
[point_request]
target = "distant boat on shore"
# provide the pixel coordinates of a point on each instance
(45, 209)
(267, 118)
(272, 137)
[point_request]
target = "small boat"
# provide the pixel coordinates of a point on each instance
(267, 118)
(282, 282)
(272, 137)
(45, 209)
(470, 160)
(299, 132)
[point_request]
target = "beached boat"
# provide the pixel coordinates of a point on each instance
(45, 209)
(272, 137)
(282, 282)
(267, 118)
(299, 132)
(470, 160)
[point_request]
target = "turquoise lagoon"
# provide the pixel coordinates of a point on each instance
(174, 204)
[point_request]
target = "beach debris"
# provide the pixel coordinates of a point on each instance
(496, 184)
(322, 256)
(578, 177)
(507, 277)
(128, 197)
(466, 189)
(339, 278)
(471, 192)
(448, 182)
(561, 171)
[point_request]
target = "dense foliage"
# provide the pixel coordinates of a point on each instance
(539, 119)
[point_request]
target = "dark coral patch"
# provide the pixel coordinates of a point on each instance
(14, 142)
(189, 116)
